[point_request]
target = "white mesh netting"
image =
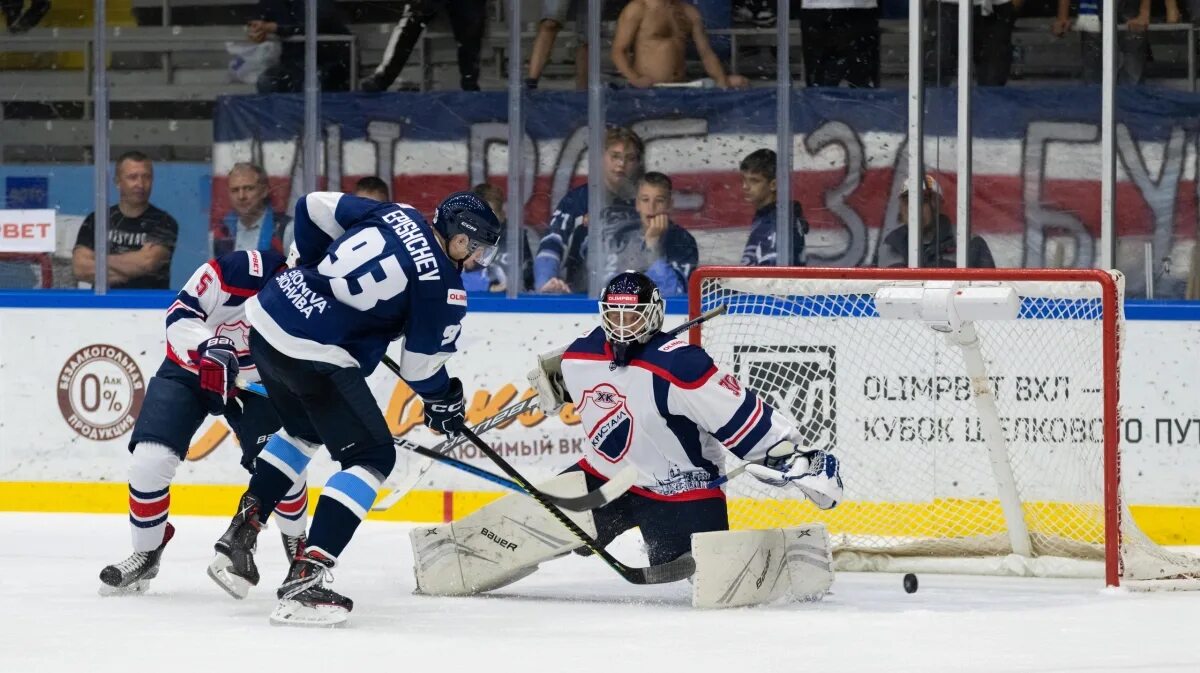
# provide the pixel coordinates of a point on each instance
(894, 401)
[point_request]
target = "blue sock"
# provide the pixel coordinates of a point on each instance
(344, 502)
(278, 467)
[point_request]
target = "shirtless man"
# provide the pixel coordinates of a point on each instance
(656, 31)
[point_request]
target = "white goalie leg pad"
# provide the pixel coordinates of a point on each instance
(750, 567)
(498, 544)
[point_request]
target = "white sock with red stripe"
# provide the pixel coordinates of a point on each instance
(150, 477)
(291, 514)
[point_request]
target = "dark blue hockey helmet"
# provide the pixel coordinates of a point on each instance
(631, 311)
(465, 213)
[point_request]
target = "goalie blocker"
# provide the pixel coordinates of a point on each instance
(507, 541)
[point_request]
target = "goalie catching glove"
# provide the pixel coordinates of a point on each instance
(445, 414)
(547, 380)
(218, 370)
(816, 473)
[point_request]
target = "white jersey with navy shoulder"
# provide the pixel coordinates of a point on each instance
(671, 413)
(369, 273)
(213, 303)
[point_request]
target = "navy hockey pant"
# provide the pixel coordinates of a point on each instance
(174, 408)
(320, 403)
(666, 525)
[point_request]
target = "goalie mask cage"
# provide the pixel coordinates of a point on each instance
(990, 454)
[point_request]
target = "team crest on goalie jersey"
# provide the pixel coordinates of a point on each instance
(607, 420)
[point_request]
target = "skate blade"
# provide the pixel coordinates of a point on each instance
(295, 613)
(138, 587)
(219, 571)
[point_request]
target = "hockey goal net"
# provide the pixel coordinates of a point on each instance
(26, 270)
(976, 437)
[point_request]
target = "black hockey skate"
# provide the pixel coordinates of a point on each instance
(233, 567)
(304, 601)
(133, 575)
(294, 547)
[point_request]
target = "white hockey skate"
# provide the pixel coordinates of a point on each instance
(133, 575)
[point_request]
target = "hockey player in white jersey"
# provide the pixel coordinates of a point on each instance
(655, 402)
(207, 350)
(369, 274)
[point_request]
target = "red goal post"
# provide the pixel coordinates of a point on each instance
(966, 446)
(45, 265)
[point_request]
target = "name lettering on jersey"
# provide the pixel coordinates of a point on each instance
(456, 297)
(672, 345)
(256, 267)
(732, 384)
(416, 243)
(304, 299)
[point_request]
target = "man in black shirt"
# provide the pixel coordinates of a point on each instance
(285, 18)
(938, 236)
(141, 238)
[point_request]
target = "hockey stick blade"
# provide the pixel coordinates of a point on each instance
(404, 484)
(672, 571)
(251, 387)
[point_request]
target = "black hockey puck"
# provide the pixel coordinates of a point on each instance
(910, 583)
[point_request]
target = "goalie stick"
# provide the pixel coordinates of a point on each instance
(680, 568)
(611, 490)
(507, 414)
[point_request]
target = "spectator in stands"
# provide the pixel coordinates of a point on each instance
(20, 18)
(497, 275)
(372, 187)
(661, 249)
(467, 19)
(554, 16)
(285, 18)
(657, 33)
(141, 238)
(252, 225)
(759, 188)
(561, 262)
(938, 236)
(1133, 45)
(840, 40)
(993, 27)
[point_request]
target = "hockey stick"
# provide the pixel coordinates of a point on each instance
(611, 490)
(672, 571)
(508, 413)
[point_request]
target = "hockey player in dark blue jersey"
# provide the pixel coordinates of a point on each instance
(369, 273)
(206, 352)
(561, 261)
(758, 186)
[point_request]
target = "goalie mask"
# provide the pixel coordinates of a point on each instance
(467, 214)
(631, 311)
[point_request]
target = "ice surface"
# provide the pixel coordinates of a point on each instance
(572, 616)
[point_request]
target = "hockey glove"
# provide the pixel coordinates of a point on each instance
(445, 414)
(218, 368)
(547, 380)
(816, 473)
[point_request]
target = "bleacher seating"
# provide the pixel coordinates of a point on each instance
(164, 78)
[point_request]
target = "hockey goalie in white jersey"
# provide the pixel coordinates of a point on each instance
(651, 401)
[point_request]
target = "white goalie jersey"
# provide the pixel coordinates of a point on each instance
(671, 413)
